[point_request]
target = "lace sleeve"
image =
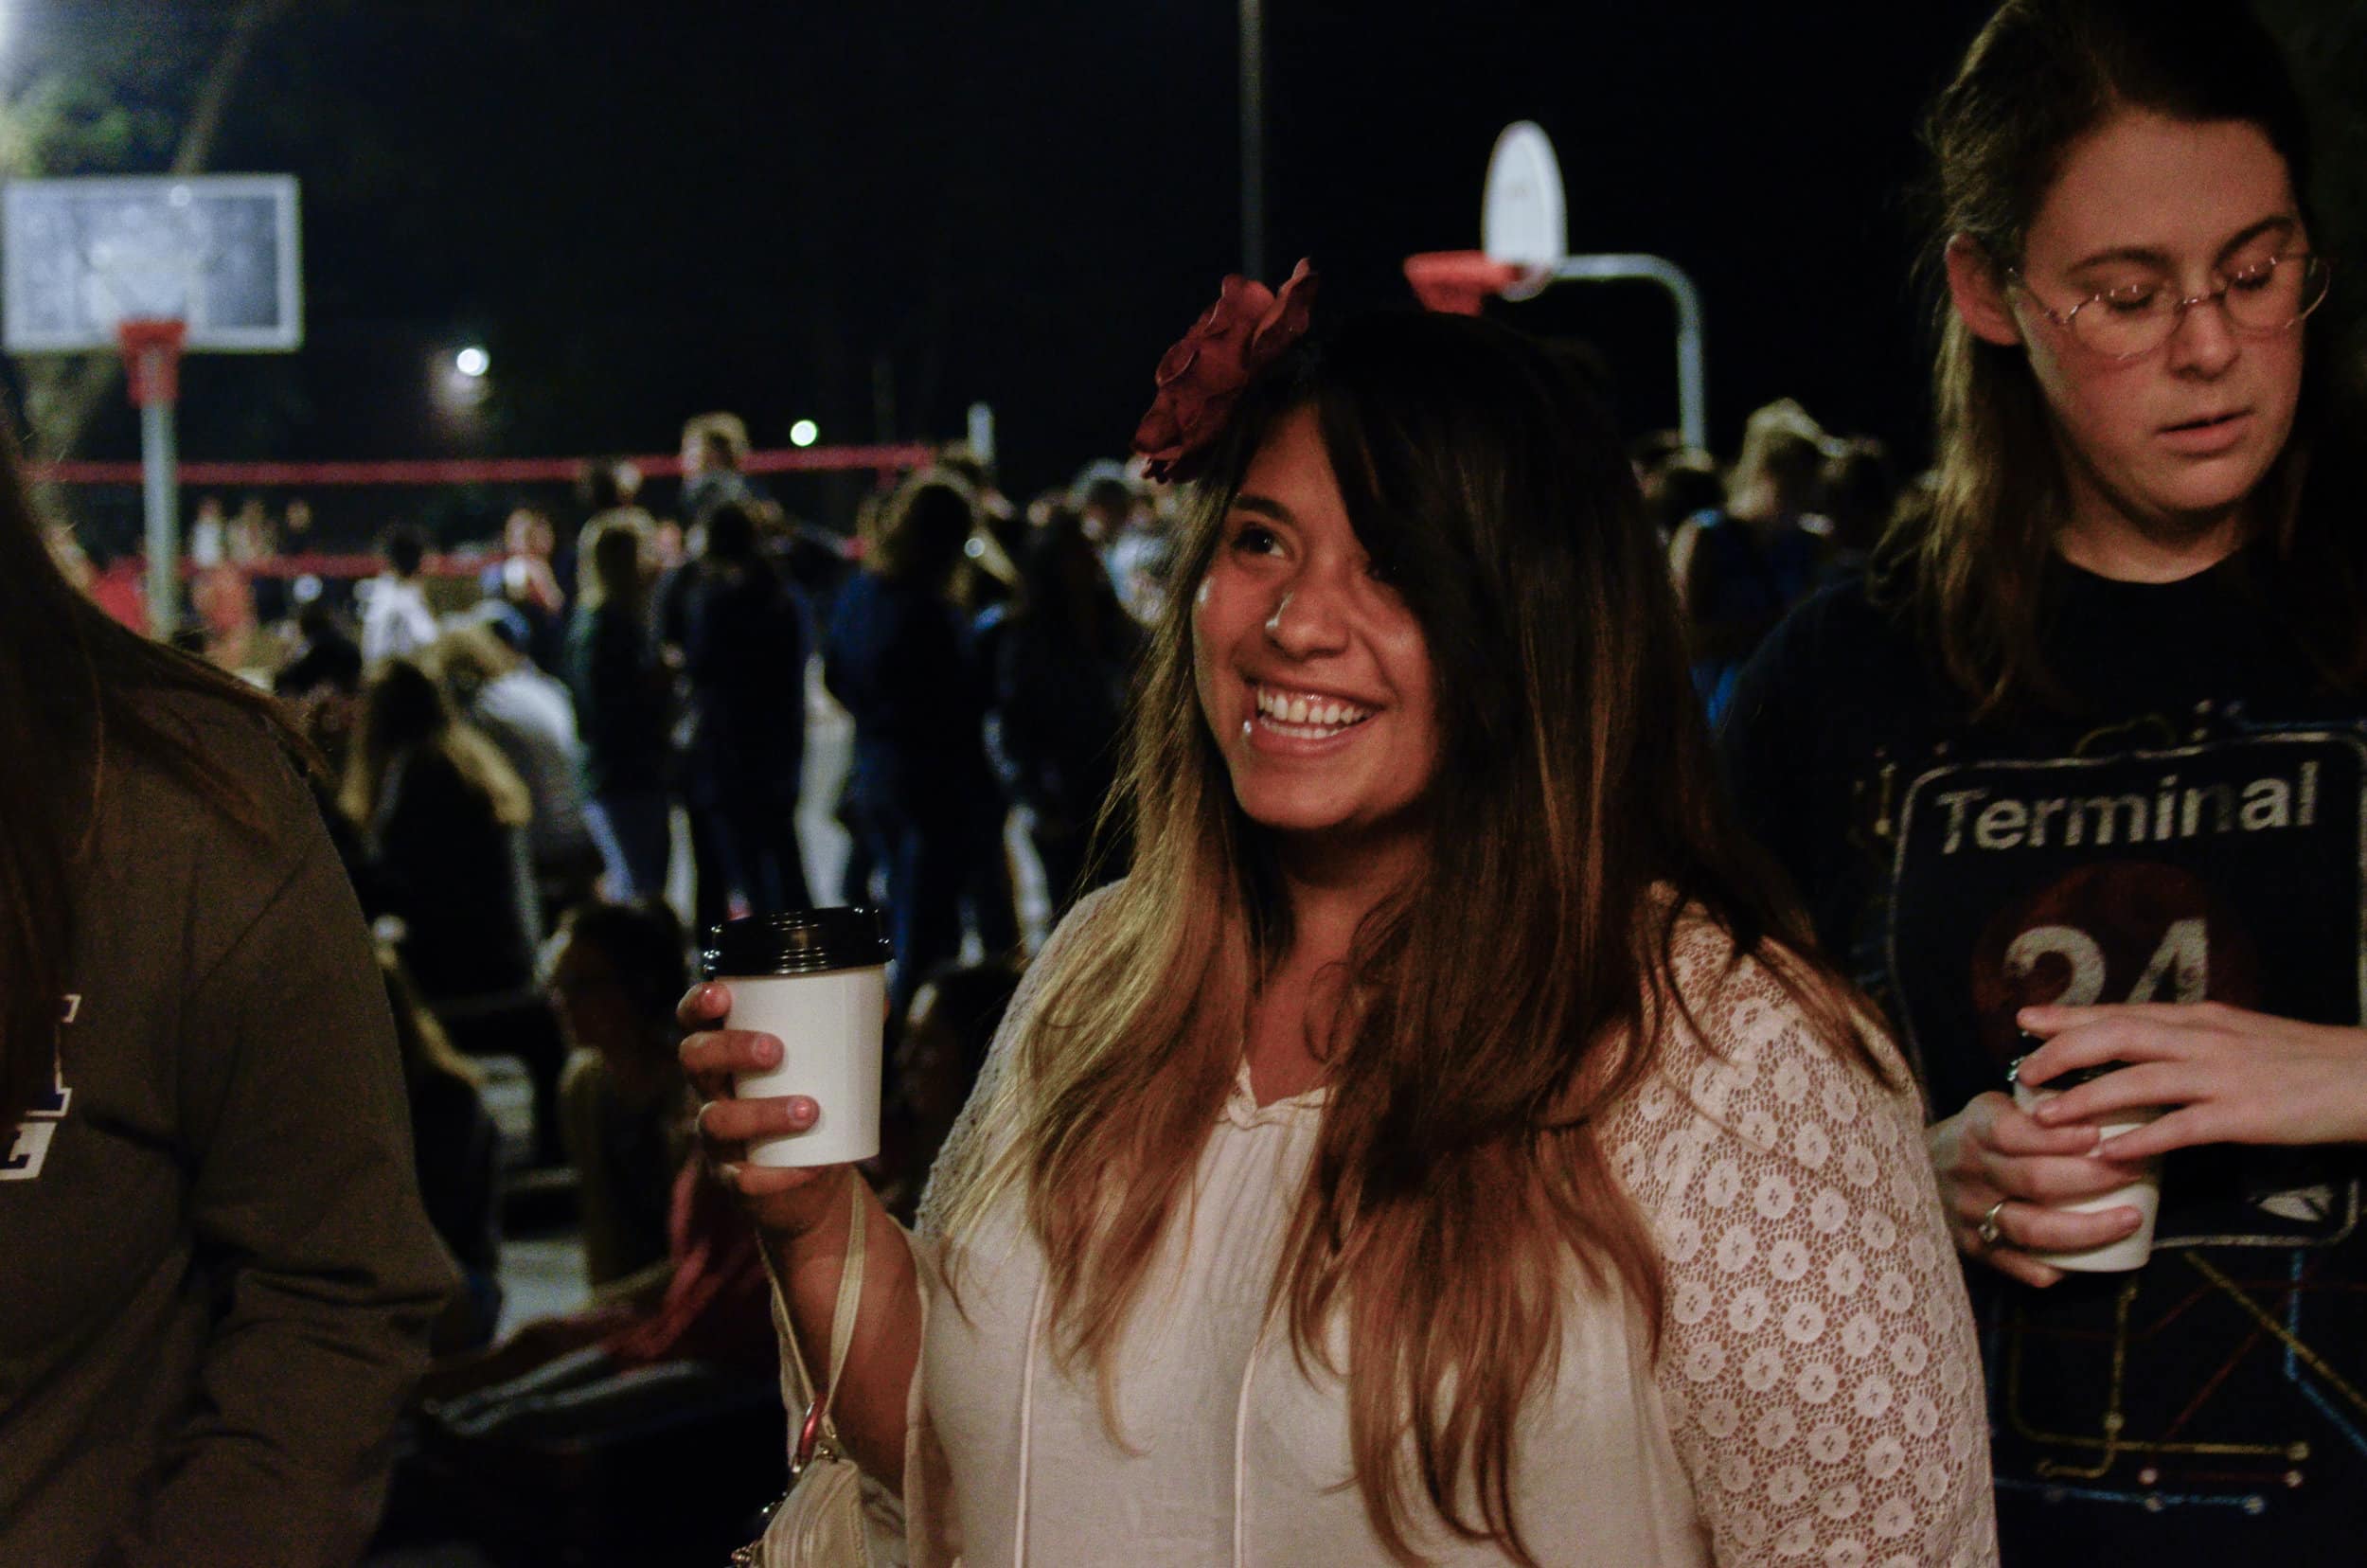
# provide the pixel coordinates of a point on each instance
(1818, 1360)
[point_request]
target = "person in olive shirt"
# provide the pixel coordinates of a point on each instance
(216, 1278)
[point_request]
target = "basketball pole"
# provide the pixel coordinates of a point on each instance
(164, 519)
(151, 366)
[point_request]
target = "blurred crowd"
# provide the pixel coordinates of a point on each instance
(1798, 507)
(552, 762)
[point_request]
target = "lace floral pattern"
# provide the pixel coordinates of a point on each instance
(1819, 1362)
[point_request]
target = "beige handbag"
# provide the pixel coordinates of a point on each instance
(826, 1520)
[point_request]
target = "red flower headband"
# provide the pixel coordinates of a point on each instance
(1201, 378)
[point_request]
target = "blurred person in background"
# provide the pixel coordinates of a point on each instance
(208, 534)
(296, 528)
(118, 589)
(443, 819)
(1063, 664)
(531, 718)
(445, 816)
(623, 698)
(713, 448)
(622, 1101)
(1137, 541)
(605, 488)
(997, 515)
(578, 1433)
(395, 617)
(940, 1050)
(1739, 569)
(525, 579)
(898, 657)
(1680, 483)
(320, 691)
(744, 646)
(325, 656)
(701, 1298)
(455, 1148)
(217, 1278)
(1105, 501)
(1859, 491)
(221, 606)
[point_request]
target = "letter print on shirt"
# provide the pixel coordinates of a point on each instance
(29, 1145)
(2230, 870)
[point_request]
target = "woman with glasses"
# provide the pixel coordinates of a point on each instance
(2073, 780)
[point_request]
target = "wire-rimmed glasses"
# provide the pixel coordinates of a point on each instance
(2261, 299)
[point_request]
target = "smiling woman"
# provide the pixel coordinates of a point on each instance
(1362, 1180)
(1312, 671)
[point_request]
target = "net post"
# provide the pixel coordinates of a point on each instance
(152, 368)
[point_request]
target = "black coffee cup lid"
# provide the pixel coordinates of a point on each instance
(803, 941)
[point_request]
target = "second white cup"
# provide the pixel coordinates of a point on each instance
(2142, 1193)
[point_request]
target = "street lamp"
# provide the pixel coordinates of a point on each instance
(804, 433)
(472, 362)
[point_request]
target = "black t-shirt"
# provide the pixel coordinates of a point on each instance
(2192, 831)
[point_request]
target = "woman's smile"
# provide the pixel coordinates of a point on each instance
(1314, 676)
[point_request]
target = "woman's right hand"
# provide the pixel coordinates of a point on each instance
(1992, 1157)
(786, 1201)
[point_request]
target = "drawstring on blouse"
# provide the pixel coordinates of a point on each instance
(1028, 1418)
(1243, 1111)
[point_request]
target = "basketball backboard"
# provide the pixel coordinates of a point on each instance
(218, 252)
(1522, 220)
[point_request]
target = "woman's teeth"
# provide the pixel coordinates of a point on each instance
(1317, 715)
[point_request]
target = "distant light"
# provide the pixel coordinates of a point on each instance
(472, 363)
(804, 433)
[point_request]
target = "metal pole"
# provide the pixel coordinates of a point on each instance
(157, 464)
(1692, 392)
(1253, 138)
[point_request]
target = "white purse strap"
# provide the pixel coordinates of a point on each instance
(815, 1431)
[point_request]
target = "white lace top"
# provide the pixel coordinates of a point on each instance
(1816, 1399)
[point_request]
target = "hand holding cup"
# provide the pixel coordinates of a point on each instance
(795, 1088)
(784, 1200)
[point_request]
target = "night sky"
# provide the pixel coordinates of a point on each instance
(825, 210)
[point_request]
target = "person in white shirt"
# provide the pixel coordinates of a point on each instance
(530, 717)
(395, 617)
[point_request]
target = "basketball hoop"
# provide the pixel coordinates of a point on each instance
(1525, 241)
(1457, 282)
(152, 359)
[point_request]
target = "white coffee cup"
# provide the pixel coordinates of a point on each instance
(2143, 1193)
(815, 980)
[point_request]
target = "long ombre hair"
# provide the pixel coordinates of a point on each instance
(1973, 571)
(1501, 1002)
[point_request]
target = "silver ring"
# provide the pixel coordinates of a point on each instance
(1987, 1230)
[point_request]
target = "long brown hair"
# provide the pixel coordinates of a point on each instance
(404, 713)
(1504, 999)
(78, 694)
(1974, 569)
